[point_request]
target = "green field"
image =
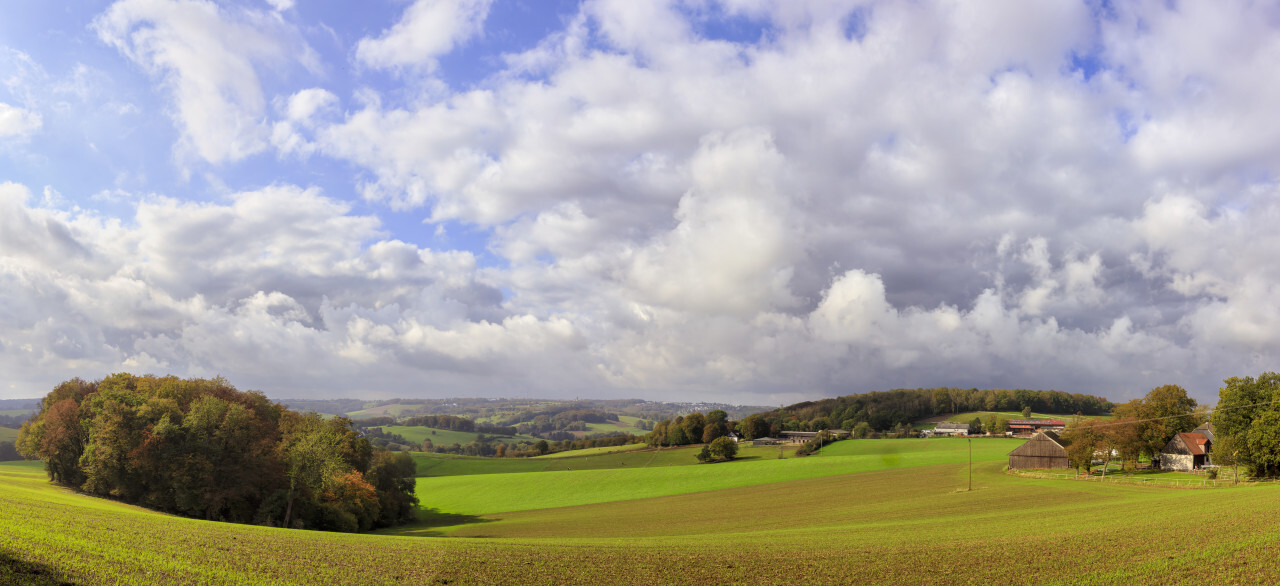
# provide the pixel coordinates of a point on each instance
(864, 511)
(445, 437)
(8, 434)
(625, 424)
(392, 410)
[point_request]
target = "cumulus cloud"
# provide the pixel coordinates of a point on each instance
(208, 60)
(17, 122)
(427, 30)
(849, 197)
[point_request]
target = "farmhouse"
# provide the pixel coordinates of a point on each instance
(1044, 450)
(1027, 427)
(951, 428)
(1186, 452)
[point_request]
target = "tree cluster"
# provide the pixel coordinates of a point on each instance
(1246, 424)
(694, 428)
(1141, 427)
(203, 449)
(719, 450)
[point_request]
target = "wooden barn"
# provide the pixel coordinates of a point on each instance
(1044, 450)
(1186, 452)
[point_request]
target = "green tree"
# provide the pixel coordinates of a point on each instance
(692, 426)
(753, 426)
(313, 458)
(1246, 418)
(724, 448)
(704, 455)
(394, 476)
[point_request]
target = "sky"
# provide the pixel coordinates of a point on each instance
(747, 201)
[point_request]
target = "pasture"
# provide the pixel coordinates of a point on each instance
(862, 511)
(445, 437)
(8, 434)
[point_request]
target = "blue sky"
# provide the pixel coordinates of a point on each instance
(753, 201)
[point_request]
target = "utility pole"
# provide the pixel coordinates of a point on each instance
(970, 464)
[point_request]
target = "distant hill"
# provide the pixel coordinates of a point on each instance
(899, 409)
(19, 404)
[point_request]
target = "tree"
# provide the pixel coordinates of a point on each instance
(704, 455)
(1123, 435)
(1246, 418)
(692, 426)
(1083, 439)
(313, 458)
(394, 476)
(753, 426)
(724, 448)
(712, 431)
(1026, 412)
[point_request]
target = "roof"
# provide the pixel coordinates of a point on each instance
(953, 425)
(1037, 422)
(1037, 444)
(1197, 443)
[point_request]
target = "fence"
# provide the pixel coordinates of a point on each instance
(1135, 480)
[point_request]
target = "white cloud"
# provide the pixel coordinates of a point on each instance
(207, 59)
(17, 122)
(428, 30)
(857, 196)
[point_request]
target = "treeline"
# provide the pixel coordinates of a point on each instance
(893, 411)
(203, 449)
(454, 423)
(485, 446)
(565, 418)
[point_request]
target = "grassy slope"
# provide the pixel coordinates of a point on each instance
(637, 455)
(879, 525)
(392, 410)
(516, 491)
(8, 434)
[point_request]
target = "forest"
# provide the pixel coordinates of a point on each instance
(201, 448)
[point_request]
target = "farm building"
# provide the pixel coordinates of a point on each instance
(1027, 427)
(951, 428)
(1044, 450)
(1206, 429)
(1186, 452)
(800, 437)
(765, 441)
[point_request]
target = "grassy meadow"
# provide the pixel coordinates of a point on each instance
(8, 434)
(444, 437)
(862, 511)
